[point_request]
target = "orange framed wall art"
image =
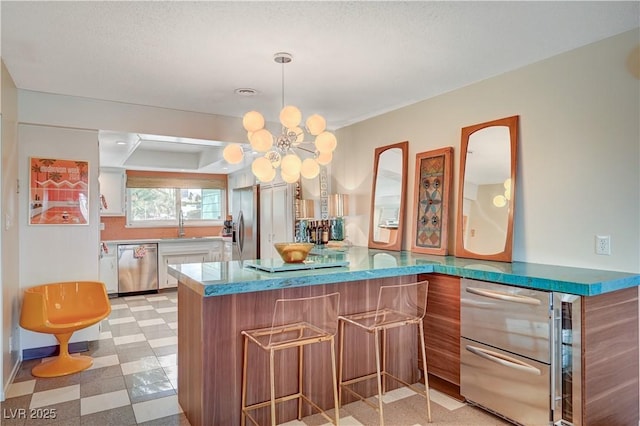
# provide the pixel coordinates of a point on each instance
(58, 192)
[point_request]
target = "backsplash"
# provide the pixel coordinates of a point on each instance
(114, 229)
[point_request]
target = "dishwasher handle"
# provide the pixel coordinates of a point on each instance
(122, 248)
(493, 294)
(504, 360)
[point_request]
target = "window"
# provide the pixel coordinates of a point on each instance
(159, 201)
(147, 205)
(163, 206)
(201, 204)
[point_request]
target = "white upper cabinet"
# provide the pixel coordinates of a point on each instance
(112, 184)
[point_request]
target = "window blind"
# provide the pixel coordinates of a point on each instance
(143, 179)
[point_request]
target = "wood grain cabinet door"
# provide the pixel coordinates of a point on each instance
(442, 327)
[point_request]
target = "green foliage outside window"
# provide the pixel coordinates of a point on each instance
(146, 205)
(153, 204)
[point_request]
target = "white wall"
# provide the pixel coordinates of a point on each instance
(10, 294)
(579, 153)
(70, 111)
(52, 253)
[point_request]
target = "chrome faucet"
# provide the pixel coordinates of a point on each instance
(181, 225)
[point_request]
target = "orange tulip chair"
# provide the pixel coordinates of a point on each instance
(61, 309)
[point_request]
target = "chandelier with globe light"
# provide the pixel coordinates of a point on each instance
(281, 151)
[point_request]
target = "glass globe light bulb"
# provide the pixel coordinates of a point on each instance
(499, 201)
(324, 158)
(291, 164)
(316, 124)
(261, 140)
(289, 178)
(232, 153)
(261, 168)
(290, 117)
(310, 168)
(268, 177)
(253, 121)
(326, 142)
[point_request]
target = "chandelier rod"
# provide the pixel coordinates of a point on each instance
(305, 149)
(282, 58)
(282, 73)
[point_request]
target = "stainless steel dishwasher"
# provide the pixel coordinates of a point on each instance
(137, 268)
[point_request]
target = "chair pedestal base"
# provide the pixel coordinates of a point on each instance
(62, 366)
(64, 363)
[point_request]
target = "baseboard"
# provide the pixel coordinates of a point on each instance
(46, 351)
(446, 387)
(14, 371)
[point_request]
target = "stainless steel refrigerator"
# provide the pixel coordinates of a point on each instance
(245, 209)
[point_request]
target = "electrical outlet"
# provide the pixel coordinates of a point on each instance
(603, 244)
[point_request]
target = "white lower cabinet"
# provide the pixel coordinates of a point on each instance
(178, 252)
(228, 251)
(109, 269)
(177, 259)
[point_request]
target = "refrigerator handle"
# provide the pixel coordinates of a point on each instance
(241, 231)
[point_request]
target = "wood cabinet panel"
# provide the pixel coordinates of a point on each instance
(210, 352)
(192, 385)
(442, 328)
(610, 358)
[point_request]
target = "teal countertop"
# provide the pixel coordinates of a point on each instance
(220, 278)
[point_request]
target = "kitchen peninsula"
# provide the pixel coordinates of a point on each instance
(216, 300)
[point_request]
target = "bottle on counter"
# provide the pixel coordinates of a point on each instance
(311, 233)
(325, 232)
(318, 233)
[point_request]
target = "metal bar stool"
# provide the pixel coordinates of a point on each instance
(398, 305)
(296, 323)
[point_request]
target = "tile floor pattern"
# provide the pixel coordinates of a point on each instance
(133, 381)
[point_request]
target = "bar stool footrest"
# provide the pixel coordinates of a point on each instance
(285, 398)
(345, 385)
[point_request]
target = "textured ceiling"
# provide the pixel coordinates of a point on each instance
(352, 60)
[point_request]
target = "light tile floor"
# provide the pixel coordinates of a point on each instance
(133, 381)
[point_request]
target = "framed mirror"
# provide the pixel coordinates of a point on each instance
(388, 195)
(486, 191)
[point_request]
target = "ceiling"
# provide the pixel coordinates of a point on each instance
(351, 60)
